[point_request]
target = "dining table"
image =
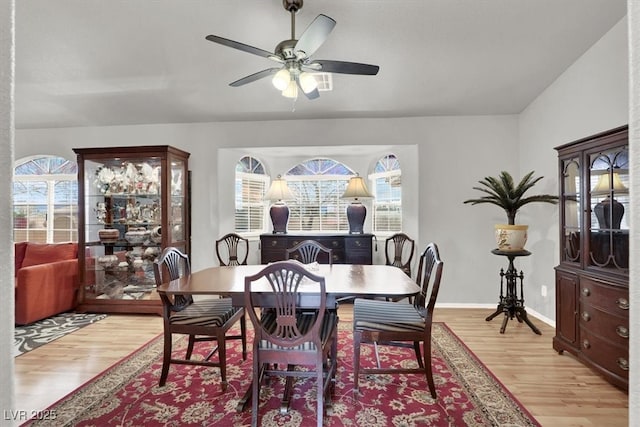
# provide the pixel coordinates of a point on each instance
(343, 283)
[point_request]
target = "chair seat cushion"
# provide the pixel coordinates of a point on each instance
(375, 315)
(305, 319)
(209, 312)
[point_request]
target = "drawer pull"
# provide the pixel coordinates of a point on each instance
(358, 243)
(335, 244)
(274, 242)
(623, 363)
(622, 331)
(586, 316)
(586, 344)
(586, 292)
(623, 303)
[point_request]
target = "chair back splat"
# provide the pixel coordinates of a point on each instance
(397, 323)
(286, 335)
(232, 249)
(309, 251)
(398, 250)
(202, 320)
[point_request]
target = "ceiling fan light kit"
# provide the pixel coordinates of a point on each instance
(294, 55)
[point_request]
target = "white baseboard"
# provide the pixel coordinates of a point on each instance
(530, 311)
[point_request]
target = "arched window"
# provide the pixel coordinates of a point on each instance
(387, 189)
(45, 200)
(318, 185)
(251, 183)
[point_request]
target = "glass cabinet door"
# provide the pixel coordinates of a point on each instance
(570, 208)
(123, 216)
(178, 212)
(609, 208)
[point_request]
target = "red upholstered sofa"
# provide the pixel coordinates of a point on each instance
(46, 280)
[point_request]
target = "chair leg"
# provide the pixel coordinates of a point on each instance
(243, 333)
(416, 347)
(222, 358)
(166, 358)
(192, 340)
(428, 368)
(320, 387)
(357, 336)
(255, 390)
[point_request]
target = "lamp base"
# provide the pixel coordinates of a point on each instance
(279, 217)
(609, 213)
(356, 213)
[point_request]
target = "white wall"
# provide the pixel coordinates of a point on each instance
(634, 142)
(6, 175)
(453, 153)
(591, 96)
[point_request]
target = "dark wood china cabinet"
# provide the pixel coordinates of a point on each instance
(592, 279)
(133, 203)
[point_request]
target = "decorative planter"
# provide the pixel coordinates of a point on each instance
(109, 235)
(511, 237)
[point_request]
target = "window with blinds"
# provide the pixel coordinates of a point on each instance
(250, 187)
(318, 185)
(387, 189)
(45, 200)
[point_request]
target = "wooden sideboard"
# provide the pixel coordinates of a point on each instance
(346, 248)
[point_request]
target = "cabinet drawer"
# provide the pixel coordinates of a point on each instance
(333, 244)
(608, 298)
(273, 243)
(612, 328)
(612, 358)
(355, 244)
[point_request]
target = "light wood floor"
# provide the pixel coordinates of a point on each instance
(558, 390)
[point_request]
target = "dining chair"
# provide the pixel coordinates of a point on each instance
(286, 336)
(398, 250)
(232, 249)
(400, 323)
(201, 320)
(309, 251)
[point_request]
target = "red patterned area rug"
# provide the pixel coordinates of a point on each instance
(127, 394)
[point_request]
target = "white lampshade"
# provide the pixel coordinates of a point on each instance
(291, 91)
(282, 79)
(279, 191)
(357, 189)
(308, 82)
(604, 185)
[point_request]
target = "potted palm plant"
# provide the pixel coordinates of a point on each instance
(502, 191)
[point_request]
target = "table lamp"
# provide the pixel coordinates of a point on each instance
(278, 192)
(609, 211)
(356, 211)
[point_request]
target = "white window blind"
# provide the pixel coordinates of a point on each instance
(45, 200)
(250, 188)
(318, 206)
(387, 188)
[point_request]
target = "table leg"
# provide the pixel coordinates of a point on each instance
(522, 314)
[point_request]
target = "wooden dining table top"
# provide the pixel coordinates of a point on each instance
(342, 280)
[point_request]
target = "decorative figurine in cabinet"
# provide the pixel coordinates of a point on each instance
(592, 279)
(133, 203)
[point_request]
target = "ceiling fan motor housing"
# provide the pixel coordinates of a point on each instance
(292, 5)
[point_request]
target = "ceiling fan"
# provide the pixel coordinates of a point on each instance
(294, 55)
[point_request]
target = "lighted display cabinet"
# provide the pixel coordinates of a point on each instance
(133, 202)
(592, 279)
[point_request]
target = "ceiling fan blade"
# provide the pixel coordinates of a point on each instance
(315, 34)
(342, 67)
(255, 76)
(240, 46)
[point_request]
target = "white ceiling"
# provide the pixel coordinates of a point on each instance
(98, 62)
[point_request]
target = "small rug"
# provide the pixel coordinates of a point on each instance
(28, 337)
(127, 394)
